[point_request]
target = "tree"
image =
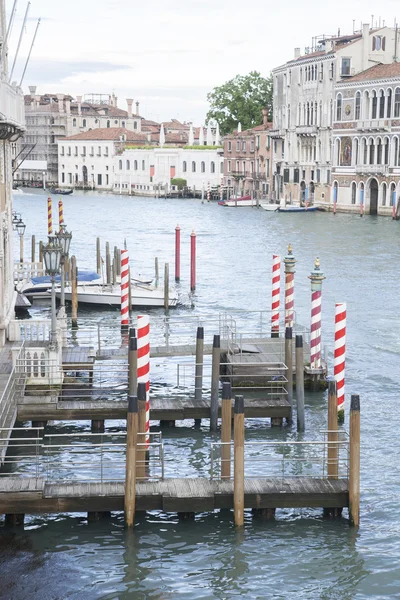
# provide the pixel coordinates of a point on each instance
(179, 182)
(241, 100)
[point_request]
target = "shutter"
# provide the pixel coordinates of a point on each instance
(373, 43)
(383, 43)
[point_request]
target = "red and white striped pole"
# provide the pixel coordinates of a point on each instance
(143, 368)
(316, 278)
(177, 253)
(60, 214)
(276, 292)
(125, 288)
(208, 192)
(339, 356)
(289, 262)
(192, 261)
(49, 216)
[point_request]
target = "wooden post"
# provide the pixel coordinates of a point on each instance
(141, 450)
(132, 364)
(300, 382)
(238, 480)
(98, 256)
(216, 358)
(74, 293)
(131, 443)
(289, 364)
(354, 467)
(41, 252)
(33, 255)
(166, 286)
(333, 466)
(156, 270)
(108, 262)
(226, 428)
(114, 272)
(198, 377)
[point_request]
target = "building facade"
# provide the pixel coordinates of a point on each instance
(366, 141)
(304, 95)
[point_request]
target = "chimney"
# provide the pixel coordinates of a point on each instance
(297, 52)
(79, 101)
(365, 38)
(32, 91)
(68, 107)
(37, 100)
(60, 98)
(116, 101)
(137, 107)
(129, 102)
(328, 46)
(265, 116)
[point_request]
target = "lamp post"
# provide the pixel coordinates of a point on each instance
(20, 227)
(52, 256)
(15, 220)
(64, 240)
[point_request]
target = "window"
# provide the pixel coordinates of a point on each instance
(353, 192)
(184, 166)
(213, 167)
(83, 150)
(374, 105)
(238, 146)
(62, 150)
(397, 103)
(252, 146)
(69, 177)
(203, 167)
(76, 151)
(389, 104)
(371, 152)
(193, 167)
(237, 166)
(99, 179)
(331, 70)
(285, 175)
(229, 146)
(382, 104)
(321, 72)
(123, 124)
(98, 150)
(229, 166)
(135, 165)
(384, 190)
(386, 151)
(244, 146)
(92, 151)
(135, 125)
(69, 150)
(73, 122)
(128, 165)
(143, 165)
(378, 42)
(62, 177)
(296, 176)
(108, 123)
(358, 106)
(106, 151)
(345, 70)
(339, 107)
(392, 200)
(84, 123)
(244, 166)
(221, 167)
(107, 179)
(120, 165)
(258, 142)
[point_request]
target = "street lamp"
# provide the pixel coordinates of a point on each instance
(52, 257)
(15, 220)
(20, 227)
(64, 239)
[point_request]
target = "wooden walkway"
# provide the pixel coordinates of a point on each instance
(19, 495)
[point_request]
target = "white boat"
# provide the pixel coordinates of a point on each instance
(238, 201)
(143, 295)
(270, 207)
(38, 287)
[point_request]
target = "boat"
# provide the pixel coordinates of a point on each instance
(238, 201)
(38, 287)
(144, 295)
(272, 207)
(60, 191)
(297, 209)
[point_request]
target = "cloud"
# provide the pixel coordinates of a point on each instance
(52, 71)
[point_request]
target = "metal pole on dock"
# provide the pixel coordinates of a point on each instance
(177, 253)
(354, 467)
(74, 293)
(132, 364)
(124, 289)
(238, 477)
(226, 430)
(166, 286)
(156, 270)
(33, 254)
(316, 279)
(108, 262)
(300, 383)
(21, 248)
(41, 252)
(131, 444)
(276, 293)
(198, 377)
(141, 451)
(98, 256)
(216, 359)
(333, 466)
(49, 216)
(289, 262)
(192, 261)
(339, 356)
(289, 364)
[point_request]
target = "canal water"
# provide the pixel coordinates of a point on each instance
(299, 555)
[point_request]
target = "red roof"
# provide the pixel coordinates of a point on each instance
(377, 72)
(112, 134)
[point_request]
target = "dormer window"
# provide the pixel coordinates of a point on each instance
(345, 70)
(378, 42)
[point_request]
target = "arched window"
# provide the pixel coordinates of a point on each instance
(379, 151)
(355, 152)
(108, 123)
(123, 124)
(386, 153)
(389, 104)
(212, 167)
(358, 106)
(184, 166)
(135, 165)
(203, 167)
(335, 191)
(371, 152)
(339, 107)
(374, 105)
(397, 103)
(120, 165)
(384, 191)
(381, 104)
(396, 151)
(84, 123)
(135, 125)
(73, 122)
(193, 167)
(392, 200)
(364, 151)
(128, 165)
(353, 192)
(312, 114)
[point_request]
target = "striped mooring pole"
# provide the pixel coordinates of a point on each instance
(49, 216)
(125, 289)
(192, 261)
(276, 292)
(289, 262)
(208, 192)
(60, 214)
(143, 373)
(316, 278)
(177, 253)
(339, 356)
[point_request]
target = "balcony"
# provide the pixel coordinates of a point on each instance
(258, 176)
(306, 130)
(373, 125)
(372, 169)
(12, 123)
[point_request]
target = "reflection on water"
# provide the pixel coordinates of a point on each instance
(300, 555)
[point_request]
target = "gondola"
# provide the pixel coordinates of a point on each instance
(60, 191)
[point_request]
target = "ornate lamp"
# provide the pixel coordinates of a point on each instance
(52, 253)
(64, 239)
(20, 227)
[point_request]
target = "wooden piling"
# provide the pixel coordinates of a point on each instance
(333, 454)
(354, 467)
(131, 446)
(74, 292)
(98, 256)
(166, 286)
(33, 253)
(198, 377)
(216, 358)
(97, 426)
(289, 364)
(108, 263)
(300, 383)
(41, 252)
(141, 449)
(156, 271)
(226, 429)
(238, 443)
(132, 364)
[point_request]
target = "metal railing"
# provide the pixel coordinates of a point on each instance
(29, 330)
(26, 270)
(13, 392)
(284, 460)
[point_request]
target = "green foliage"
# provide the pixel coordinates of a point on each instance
(131, 147)
(202, 147)
(179, 182)
(241, 100)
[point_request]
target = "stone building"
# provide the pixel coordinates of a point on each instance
(304, 92)
(366, 141)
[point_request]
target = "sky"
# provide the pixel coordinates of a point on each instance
(169, 55)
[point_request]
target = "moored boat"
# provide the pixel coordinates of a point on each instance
(297, 209)
(37, 287)
(60, 191)
(239, 201)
